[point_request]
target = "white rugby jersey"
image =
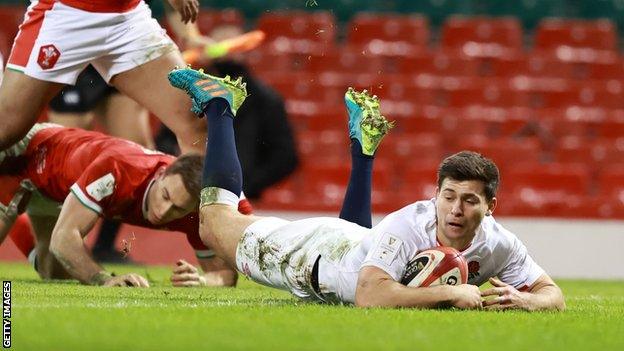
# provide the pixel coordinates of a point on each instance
(400, 236)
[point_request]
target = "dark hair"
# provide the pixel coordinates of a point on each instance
(189, 167)
(469, 165)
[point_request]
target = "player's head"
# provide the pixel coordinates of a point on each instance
(175, 192)
(466, 192)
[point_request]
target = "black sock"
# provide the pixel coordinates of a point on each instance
(356, 206)
(221, 167)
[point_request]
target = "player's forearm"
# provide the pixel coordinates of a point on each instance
(183, 31)
(6, 223)
(69, 249)
(548, 297)
(392, 294)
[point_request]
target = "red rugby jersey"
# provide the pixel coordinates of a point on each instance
(108, 175)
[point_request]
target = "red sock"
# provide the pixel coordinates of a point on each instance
(22, 235)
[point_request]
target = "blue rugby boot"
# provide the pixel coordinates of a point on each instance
(202, 88)
(366, 124)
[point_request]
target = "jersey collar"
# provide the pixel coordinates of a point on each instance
(144, 203)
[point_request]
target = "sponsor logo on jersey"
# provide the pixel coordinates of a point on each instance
(102, 187)
(48, 55)
(388, 248)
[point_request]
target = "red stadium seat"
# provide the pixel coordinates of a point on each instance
(611, 182)
(595, 34)
(534, 65)
(210, 19)
(403, 148)
(504, 31)
(492, 94)
(583, 122)
(419, 180)
(314, 146)
(439, 64)
(613, 126)
(418, 123)
(317, 27)
(309, 90)
(608, 152)
(326, 182)
(500, 121)
(505, 152)
(268, 62)
(600, 70)
(281, 196)
(366, 27)
(322, 174)
(583, 95)
(545, 190)
(551, 178)
(346, 61)
(574, 149)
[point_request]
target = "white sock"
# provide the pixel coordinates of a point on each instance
(213, 195)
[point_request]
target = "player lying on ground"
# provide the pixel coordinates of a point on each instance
(94, 175)
(334, 260)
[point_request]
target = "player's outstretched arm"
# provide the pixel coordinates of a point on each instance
(17, 205)
(215, 273)
(67, 245)
(544, 294)
(376, 288)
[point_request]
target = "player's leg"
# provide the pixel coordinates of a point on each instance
(22, 235)
(71, 119)
(147, 84)
(22, 99)
(75, 105)
(221, 225)
(366, 129)
(126, 119)
(15, 195)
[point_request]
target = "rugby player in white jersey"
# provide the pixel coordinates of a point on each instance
(129, 49)
(336, 261)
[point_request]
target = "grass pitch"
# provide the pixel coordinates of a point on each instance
(67, 316)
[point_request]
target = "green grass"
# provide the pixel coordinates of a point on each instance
(68, 316)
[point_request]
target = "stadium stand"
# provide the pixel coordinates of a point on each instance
(541, 96)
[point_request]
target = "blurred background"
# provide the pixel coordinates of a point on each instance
(536, 85)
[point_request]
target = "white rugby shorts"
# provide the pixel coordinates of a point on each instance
(278, 253)
(56, 42)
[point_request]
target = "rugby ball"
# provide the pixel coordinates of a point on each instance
(436, 266)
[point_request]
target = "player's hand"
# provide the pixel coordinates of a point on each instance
(131, 279)
(185, 274)
(188, 9)
(466, 296)
(507, 297)
(19, 202)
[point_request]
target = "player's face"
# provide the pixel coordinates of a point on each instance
(168, 200)
(460, 208)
